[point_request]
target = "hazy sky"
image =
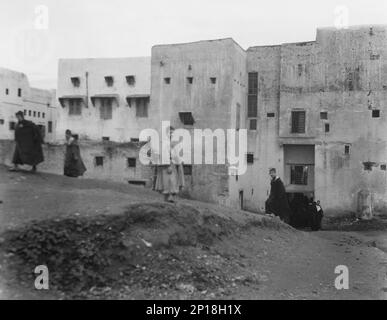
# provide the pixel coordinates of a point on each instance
(124, 28)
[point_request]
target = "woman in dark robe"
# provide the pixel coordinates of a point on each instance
(28, 144)
(73, 166)
(277, 203)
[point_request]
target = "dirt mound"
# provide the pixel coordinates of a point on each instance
(149, 245)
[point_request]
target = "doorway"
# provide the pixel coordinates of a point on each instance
(299, 177)
(241, 199)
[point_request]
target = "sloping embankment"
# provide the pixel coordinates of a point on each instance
(148, 248)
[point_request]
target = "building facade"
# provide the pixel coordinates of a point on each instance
(37, 105)
(315, 111)
(105, 99)
(200, 85)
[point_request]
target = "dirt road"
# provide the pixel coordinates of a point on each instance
(264, 261)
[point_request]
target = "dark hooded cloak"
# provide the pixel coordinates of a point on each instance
(73, 166)
(28, 149)
(277, 203)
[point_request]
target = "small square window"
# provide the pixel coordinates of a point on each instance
(98, 161)
(213, 80)
(324, 115)
(190, 80)
(12, 125)
(271, 115)
(167, 80)
(134, 140)
(1, 121)
(253, 124)
(131, 80)
(250, 158)
(105, 138)
(109, 81)
(383, 167)
(131, 162)
(347, 150)
(187, 169)
(375, 113)
(76, 81)
(186, 118)
(327, 127)
(367, 166)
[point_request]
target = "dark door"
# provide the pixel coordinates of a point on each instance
(241, 199)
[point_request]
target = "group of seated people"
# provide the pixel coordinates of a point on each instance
(305, 212)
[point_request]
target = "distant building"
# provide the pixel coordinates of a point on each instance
(313, 110)
(37, 105)
(105, 99)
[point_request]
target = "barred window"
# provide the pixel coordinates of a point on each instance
(299, 175)
(298, 121)
(252, 106)
(252, 98)
(106, 110)
(75, 107)
(253, 83)
(142, 107)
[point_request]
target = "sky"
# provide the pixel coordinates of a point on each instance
(35, 34)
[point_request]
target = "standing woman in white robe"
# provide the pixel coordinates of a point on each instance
(170, 175)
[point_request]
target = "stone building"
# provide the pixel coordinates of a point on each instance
(200, 85)
(105, 99)
(313, 110)
(37, 105)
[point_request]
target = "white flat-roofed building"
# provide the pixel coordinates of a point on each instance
(38, 105)
(105, 99)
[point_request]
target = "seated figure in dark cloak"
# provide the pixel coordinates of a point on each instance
(28, 144)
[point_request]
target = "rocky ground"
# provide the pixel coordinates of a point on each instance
(104, 240)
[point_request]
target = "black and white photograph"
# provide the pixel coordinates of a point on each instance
(194, 151)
